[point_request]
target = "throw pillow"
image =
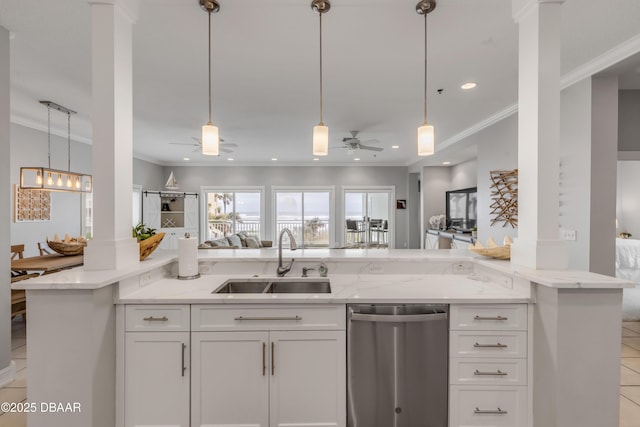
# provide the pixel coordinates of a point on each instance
(234, 240)
(219, 242)
(252, 242)
(243, 236)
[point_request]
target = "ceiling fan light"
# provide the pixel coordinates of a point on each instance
(320, 140)
(426, 140)
(210, 140)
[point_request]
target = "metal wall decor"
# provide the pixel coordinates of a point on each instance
(504, 196)
(31, 205)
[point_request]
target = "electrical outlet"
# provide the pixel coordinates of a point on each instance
(144, 279)
(568, 234)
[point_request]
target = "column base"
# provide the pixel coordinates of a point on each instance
(540, 254)
(111, 254)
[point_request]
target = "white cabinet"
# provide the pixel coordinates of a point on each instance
(156, 366)
(171, 213)
(488, 365)
(270, 370)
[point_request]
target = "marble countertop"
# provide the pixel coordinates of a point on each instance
(364, 288)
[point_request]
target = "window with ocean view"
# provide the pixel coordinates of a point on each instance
(307, 213)
(232, 211)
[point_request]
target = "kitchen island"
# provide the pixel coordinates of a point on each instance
(78, 328)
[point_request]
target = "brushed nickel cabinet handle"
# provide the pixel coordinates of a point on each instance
(273, 361)
(496, 345)
(476, 317)
(490, 411)
(268, 318)
(184, 368)
(264, 358)
(498, 372)
(155, 319)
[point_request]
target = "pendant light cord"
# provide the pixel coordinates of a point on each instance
(69, 142)
(320, 13)
(425, 68)
(210, 103)
(49, 133)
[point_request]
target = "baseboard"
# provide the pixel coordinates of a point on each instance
(8, 374)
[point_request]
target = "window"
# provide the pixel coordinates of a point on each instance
(307, 213)
(230, 211)
(368, 217)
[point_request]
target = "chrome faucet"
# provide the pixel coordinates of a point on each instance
(282, 270)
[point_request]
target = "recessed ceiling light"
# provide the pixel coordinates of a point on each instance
(468, 85)
(446, 163)
(315, 159)
(230, 159)
(357, 159)
(274, 159)
(186, 158)
(395, 146)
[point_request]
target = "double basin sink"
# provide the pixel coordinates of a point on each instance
(281, 285)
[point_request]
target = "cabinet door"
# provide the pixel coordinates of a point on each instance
(230, 380)
(151, 210)
(191, 212)
(157, 379)
(308, 378)
(431, 242)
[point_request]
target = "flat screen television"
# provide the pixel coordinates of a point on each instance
(462, 209)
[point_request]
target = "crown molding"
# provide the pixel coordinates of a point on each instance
(39, 127)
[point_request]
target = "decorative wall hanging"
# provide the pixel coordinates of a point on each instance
(504, 196)
(31, 205)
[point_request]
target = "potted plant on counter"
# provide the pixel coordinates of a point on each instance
(148, 239)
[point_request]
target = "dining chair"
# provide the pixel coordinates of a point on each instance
(19, 296)
(354, 231)
(44, 249)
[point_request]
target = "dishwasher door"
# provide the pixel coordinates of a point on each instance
(398, 365)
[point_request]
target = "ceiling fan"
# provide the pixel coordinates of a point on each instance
(224, 146)
(353, 143)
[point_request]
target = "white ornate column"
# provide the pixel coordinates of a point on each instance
(538, 245)
(112, 246)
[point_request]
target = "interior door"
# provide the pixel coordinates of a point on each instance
(371, 209)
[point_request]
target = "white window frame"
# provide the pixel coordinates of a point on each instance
(302, 189)
(137, 189)
(391, 189)
(231, 189)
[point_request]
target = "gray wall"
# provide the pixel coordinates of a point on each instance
(497, 150)
(148, 175)
(413, 210)
(29, 148)
(628, 123)
(628, 203)
(436, 181)
(464, 175)
(5, 292)
(191, 179)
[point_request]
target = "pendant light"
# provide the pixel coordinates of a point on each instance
(426, 137)
(210, 135)
(40, 178)
(320, 131)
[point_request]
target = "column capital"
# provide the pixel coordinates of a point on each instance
(130, 8)
(521, 8)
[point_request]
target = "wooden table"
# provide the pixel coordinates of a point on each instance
(46, 263)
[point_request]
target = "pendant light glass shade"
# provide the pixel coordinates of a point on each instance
(210, 140)
(426, 140)
(320, 140)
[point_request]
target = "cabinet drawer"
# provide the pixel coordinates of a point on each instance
(154, 317)
(502, 317)
(487, 344)
(260, 317)
(472, 406)
(488, 371)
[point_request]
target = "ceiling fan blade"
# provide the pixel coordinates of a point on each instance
(366, 147)
(228, 144)
(184, 143)
(370, 141)
(225, 150)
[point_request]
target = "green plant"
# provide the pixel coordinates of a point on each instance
(142, 232)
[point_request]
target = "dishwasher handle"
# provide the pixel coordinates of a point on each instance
(397, 318)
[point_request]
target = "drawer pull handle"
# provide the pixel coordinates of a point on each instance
(476, 317)
(490, 411)
(269, 318)
(273, 359)
(496, 345)
(184, 368)
(155, 319)
(498, 372)
(264, 358)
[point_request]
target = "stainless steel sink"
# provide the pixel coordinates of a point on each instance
(274, 286)
(300, 287)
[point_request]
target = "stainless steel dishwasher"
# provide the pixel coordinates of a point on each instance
(398, 365)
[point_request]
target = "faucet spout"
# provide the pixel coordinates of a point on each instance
(282, 270)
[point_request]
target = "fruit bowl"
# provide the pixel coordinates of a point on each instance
(147, 246)
(68, 248)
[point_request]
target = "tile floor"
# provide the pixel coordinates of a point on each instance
(629, 384)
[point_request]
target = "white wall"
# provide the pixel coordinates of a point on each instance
(435, 182)
(628, 206)
(5, 150)
(148, 175)
(464, 175)
(497, 150)
(191, 179)
(29, 148)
